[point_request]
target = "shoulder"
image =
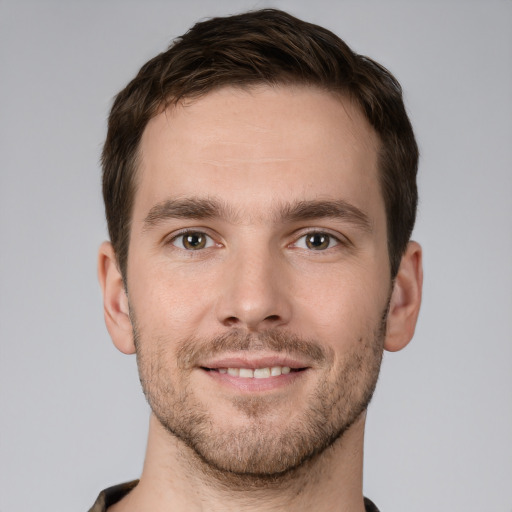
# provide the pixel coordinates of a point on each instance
(370, 506)
(112, 495)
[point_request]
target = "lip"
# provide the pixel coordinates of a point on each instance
(253, 385)
(300, 369)
(253, 362)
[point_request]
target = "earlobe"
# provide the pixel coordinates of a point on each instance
(115, 301)
(405, 301)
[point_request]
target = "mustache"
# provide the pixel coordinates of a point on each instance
(192, 351)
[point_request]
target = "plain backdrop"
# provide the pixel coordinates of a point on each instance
(72, 417)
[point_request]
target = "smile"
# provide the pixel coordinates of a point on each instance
(255, 373)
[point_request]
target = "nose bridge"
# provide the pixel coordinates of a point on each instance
(252, 294)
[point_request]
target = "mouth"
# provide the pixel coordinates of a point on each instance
(255, 373)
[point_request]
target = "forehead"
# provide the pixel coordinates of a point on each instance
(258, 147)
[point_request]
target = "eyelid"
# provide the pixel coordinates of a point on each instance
(172, 237)
(340, 239)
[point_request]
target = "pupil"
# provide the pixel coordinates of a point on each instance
(194, 240)
(318, 241)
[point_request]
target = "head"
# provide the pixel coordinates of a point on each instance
(259, 181)
(267, 47)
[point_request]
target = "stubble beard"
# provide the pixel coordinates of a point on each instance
(260, 451)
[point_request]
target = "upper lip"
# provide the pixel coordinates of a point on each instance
(253, 362)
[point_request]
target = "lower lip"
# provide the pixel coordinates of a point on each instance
(252, 385)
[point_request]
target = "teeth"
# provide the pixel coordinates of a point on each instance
(258, 373)
(262, 373)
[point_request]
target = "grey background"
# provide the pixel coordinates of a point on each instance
(72, 417)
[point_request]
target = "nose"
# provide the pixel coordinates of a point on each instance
(254, 294)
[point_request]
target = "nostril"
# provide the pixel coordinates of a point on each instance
(230, 321)
(273, 318)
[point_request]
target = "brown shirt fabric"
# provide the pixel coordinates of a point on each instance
(114, 494)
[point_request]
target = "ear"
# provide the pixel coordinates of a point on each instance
(115, 301)
(405, 301)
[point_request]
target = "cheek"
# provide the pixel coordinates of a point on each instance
(169, 300)
(343, 306)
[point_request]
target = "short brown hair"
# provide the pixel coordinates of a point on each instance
(261, 47)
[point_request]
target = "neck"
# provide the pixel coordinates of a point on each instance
(174, 478)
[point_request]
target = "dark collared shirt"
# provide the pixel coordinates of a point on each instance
(114, 494)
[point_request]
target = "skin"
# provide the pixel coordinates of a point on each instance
(257, 153)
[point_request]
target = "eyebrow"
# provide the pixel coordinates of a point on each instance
(189, 208)
(200, 208)
(310, 210)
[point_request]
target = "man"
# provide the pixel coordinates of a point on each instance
(260, 191)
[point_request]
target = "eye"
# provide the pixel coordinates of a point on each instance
(316, 241)
(192, 241)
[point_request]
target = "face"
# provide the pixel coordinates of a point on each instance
(258, 274)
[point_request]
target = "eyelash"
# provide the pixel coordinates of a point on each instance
(332, 240)
(190, 232)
